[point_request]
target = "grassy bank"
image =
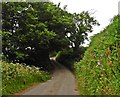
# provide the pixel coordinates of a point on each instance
(16, 77)
(98, 73)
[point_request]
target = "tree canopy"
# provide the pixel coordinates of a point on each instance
(31, 30)
(83, 24)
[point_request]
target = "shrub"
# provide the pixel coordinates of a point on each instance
(19, 76)
(98, 73)
(65, 57)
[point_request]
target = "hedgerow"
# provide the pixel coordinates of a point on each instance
(98, 73)
(16, 77)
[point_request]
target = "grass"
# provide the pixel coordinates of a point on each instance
(16, 77)
(98, 73)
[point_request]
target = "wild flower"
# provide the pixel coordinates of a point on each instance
(13, 72)
(98, 63)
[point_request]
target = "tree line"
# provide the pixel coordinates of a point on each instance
(32, 30)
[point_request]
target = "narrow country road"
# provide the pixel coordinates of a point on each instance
(62, 83)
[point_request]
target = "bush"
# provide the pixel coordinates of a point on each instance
(16, 77)
(98, 73)
(65, 57)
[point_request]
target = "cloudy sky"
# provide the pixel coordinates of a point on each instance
(104, 10)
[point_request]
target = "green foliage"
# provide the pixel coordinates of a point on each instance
(98, 73)
(65, 57)
(83, 24)
(33, 29)
(16, 77)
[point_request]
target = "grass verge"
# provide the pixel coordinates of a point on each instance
(16, 77)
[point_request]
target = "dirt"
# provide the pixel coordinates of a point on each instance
(61, 83)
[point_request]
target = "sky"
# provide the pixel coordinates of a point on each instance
(104, 10)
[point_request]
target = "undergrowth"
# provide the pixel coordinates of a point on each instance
(16, 77)
(98, 73)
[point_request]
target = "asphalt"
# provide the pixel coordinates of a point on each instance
(62, 83)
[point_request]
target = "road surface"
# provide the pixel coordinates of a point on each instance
(61, 83)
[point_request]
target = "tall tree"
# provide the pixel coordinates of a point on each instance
(32, 30)
(82, 25)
